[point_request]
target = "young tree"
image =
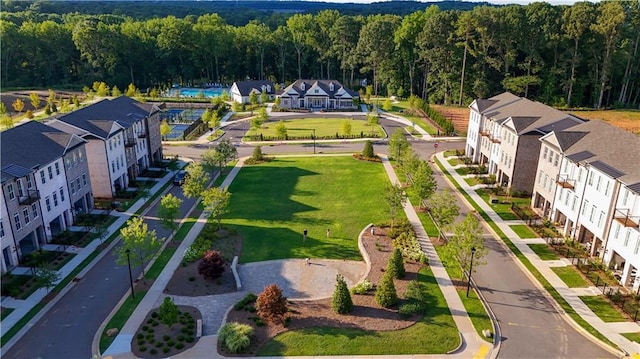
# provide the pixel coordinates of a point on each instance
(168, 312)
(165, 129)
(276, 102)
(115, 91)
(235, 107)
(398, 144)
(76, 102)
(6, 122)
(424, 185)
(395, 265)
(211, 265)
(341, 302)
(367, 152)
(386, 295)
(281, 130)
(253, 100)
(46, 277)
(373, 119)
(387, 105)
(51, 99)
(140, 241)
(225, 152)
(18, 105)
(346, 127)
(467, 237)
(131, 90)
(264, 97)
(65, 106)
(408, 164)
(168, 211)
(35, 100)
(257, 154)
(396, 198)
(444, 208)
(271, 305)
(216, 203)
(195, 182)
(206, 117)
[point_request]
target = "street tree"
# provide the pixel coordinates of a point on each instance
(216, 203)
(168, 211)
(115, 91)
(6, 122)
(398, 144)
(140, 241)
(346, 128)
(423, 184)
(443, 208)
(168, 312)
(18, 105)
(396, 198)
(281, 130)
(253, 100)
(195, 182)
(373, 119)
(165, 129)
(35, 100)
(467, 237)
(408, 164)
(225, 152)
(46, 277)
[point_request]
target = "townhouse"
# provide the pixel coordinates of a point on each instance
(123, 139)
(43, 187)
(591, 193)
(503, 134)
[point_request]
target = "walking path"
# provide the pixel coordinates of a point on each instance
(22, 307)
(298, 280)
(610, 330)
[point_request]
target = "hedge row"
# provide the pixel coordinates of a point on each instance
(445, 124)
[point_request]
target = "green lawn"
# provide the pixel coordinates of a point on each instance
(477, 313)
(634, 337)
(570, 276)
(436, 333)
(544, 251)
(603, 309)
(454, 161)
(403, 106)
(523, 231)
(325, 128)
(272, 203)
(504, 209)
(472, 181)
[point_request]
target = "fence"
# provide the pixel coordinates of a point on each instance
(529, 219)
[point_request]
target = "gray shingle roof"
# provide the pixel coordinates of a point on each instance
(33, 144)
(325, 85)
(245, 87)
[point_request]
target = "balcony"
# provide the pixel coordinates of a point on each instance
(130, 141)
(31, 197)
(142, 135)
(565, 182)
(624, 217)
(494, 139)
(485, 132)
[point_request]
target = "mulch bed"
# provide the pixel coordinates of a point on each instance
(151, 335)
(366, 314)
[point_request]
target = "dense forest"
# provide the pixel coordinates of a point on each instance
(584, 55)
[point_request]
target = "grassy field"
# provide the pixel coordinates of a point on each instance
(570, 276)
(625, 119)
(544, 252)
(603, 309)
(272, 203)
(325, 127)
(523, 231)
(436, 333)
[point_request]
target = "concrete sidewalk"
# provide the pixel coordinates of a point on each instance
(22, 307)
(610, 330)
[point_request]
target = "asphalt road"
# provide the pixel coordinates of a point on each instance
(67, 330)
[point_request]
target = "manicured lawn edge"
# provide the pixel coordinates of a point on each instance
(603, 309)
(570, 276)
(568, 309)
(543, 251)
(523, 231)
(634, 337)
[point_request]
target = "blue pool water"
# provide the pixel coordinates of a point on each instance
(193, 92)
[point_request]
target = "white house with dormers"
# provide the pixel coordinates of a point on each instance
(241, 90)
(105, 150)
(318, 94)
(622, 250)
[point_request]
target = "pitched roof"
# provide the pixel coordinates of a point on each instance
(495, 102)
(246, 87)
(49, 145)
(325, 85)
(567, 138)
(98, 118)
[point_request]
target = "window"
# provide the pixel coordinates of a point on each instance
(80, 156)
(593, 212)
(509, 166)
(573, 203)
(25, 214)
(540, 177)
(119, 140)
(556, 159)
(546, 179)
(16, 220)
(11, 192)
(78, 183)
(67, 161)
(579, 174)
(591, 179)
(635, 250)
(34, 210)
(606, 188)
(61, 195)
(55, 199)
(566, 200)
(551, 156)
(117, 163)
(20, 189)
(566, 166)
(47, 201)
(626, 197)
(110, 145)
(84, 179)
(626, 238)
(1, 228)
(544, 153)
(584, 209)
(50, 172)
(113, 166)
(57, 168)
(600, 218)
(599, 183)
(617, 230)
(42, 178)
(72, 186)
(29, 182)
(75, 158)
(562, 194)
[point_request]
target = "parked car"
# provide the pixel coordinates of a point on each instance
(178, 179)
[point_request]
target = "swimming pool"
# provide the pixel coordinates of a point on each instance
(195, 92)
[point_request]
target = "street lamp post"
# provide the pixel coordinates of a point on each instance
(314, 141)
(128, 252)
(473, 251)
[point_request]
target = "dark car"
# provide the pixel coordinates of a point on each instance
(178, 179)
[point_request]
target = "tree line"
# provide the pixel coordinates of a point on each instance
(580, 55)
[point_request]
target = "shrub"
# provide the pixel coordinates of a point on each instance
(257, 154)
(189, 339)
(179, 346)
(244, 302)
(168, 313)
(341, 302)
(153, 352)
(368, 150)
(409, 309)
(211, 265)
(166, 338)
(362, 287)
(139, 335)
(154, 314)
(143, 348)
(197, 249)
(386, 295)
(166, 349)
(416, 300)
(271, 305)
(235, 336)
(395, 265)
